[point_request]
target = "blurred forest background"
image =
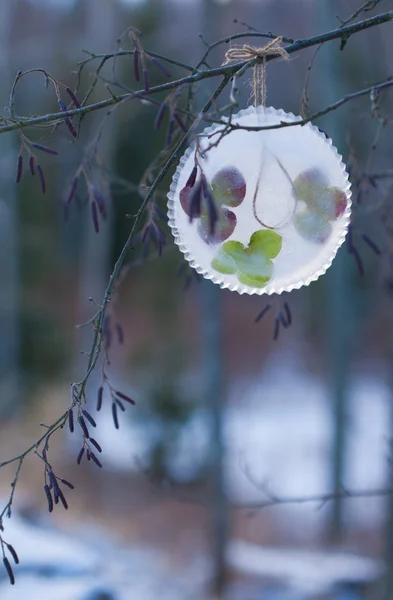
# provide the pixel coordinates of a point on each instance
(226, 417)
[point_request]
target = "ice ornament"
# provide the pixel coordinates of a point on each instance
(260, 212)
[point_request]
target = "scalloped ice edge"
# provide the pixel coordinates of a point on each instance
(270, 288)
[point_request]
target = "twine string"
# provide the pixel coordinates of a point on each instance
(248, 52)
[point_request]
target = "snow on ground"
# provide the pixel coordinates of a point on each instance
(279, 434)
(54, 564)
(278, 431)
(309, 572)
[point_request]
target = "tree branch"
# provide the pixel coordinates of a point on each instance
(227, 71)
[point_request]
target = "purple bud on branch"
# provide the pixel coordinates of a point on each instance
(31, 164)
(48, 497)
(62, 498)
(71, 420)
(89, 418)
(9, 570)
(44, 148)
(80, 455)
(160, 66)
(42, 179)
(99, 199)
(114, 415)
(262, 313)
(169, 134)
(19, 168)
(136, 64)
(288, 313)
(276, 329)
(82, 423)
(120, 404)
(13, 553)
(94, 215)
(95, 444)
(67, 483)
(67, 120)
(146, 84)
(126, 398)
(192, 178)
(180, 122)
(371, 244)
(160, 115)
(99, 397)
(95, 459)
(72, 190)
(74, 99)
(120, 334)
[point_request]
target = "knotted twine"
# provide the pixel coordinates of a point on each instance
(248, 52)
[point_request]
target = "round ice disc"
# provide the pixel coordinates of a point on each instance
(267, 210)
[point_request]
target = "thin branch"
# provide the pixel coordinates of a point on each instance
(227, 71)
(320, 499)
(313, 117)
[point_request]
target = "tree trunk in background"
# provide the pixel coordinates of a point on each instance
(100, 35)
(9, 245)
(211, 345)
(387, 592)
(213, 388)
(337, 295)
